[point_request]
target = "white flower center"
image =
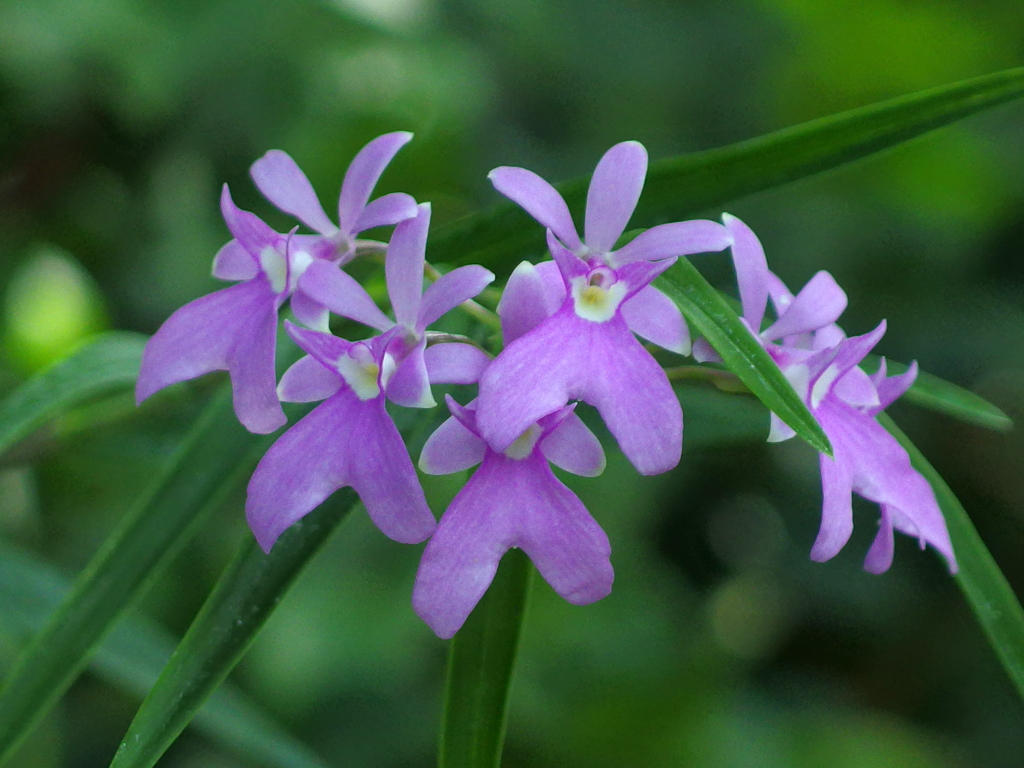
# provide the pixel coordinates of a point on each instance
(300, 261)
(597, 296)
(822, 385)
(361, 372)
(275, 268)
(523, 446)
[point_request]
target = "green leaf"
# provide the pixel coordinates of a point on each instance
(131, 658)
(212, 460)
(107, 364)
(682, 187)
(481, 661)
(712, 316)
(983, 584)
(939, 395)
(244, 597)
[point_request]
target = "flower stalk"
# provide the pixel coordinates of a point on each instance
(481, 661)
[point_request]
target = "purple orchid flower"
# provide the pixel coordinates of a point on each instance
(823, 366)
(235, 329)
(414, 308)
(586, 349)
(281, 181)
(348, 440)
(512, 500)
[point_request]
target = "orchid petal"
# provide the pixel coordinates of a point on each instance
(522, 306)
(343, 441)
(455, 363)
(614, 191)
(879, 557)
(385, 211)
(779, 430)
(853, 350)
(248, 228)
(232, 329)
(880, 470)
(509, 503)
(233, 262)
(569, 264)
(308, 381)
(837, 505)
(892, 388)
(751, 270)
(282, 182)
(573, 447)
(681, 238)
(856, 388)
(324, 347)
(655, 317)
(639, 274)
(337, 290)
(703, 352)
(539, 199)
(309, 312)
(410, 384)
(780, 295)
(567, 357)
(404, 266)
(450, 290)
(819, 303)
(451, 448)
(363, 174)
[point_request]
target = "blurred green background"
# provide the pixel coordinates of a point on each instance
(722, 644)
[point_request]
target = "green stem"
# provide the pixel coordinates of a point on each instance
(480, 665)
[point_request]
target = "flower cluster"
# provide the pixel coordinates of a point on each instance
(570, 328)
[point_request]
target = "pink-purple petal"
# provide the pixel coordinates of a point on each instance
(450, 290)
(233, 262)
(655, 317)
(681, 238)
(837, 505)
(404, 266)
(569, 264)
(282, 182)
(410, 384)
(892, 388)
(323, 346)
(539, 199)
(566, 358)
(573, 447)
(751, 267)
(337, 290)
(232, 329)
(385, 211)
(523, 305)
(308, 381)
(614, 191)
(880, 554)
(451, 448)
(506, 504)
(364, 173)
(309, 312)
(455, 363)
(639, 274)
(343, 441)
(820, 303)
(251, 231)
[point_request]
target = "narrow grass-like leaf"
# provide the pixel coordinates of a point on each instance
(210, 462)
(714, 319)
(481, 661)
(244, 597)
(683, 187)
(939, 395)
(131, 658)
(104, 365)
(983, 584)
